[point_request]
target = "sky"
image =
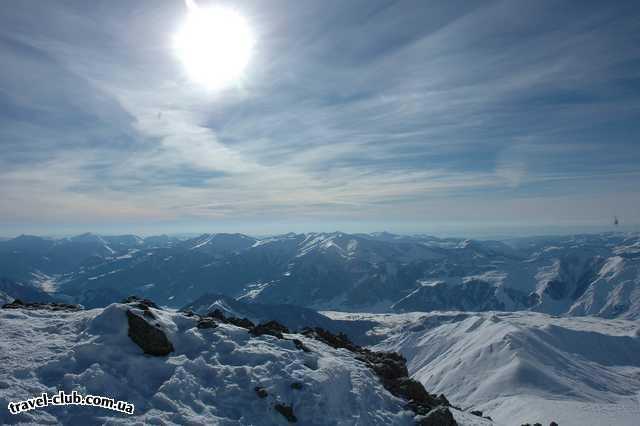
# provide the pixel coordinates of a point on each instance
(443, 117)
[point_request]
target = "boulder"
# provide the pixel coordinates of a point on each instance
(439, 416)
(272, 328)
(206, 323)
(411, 390)
(442, 400)
(150, 337)
(261, 392)
(287, 412)
(299, 345)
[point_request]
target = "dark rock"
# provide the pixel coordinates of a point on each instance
(489, 418)
(476, 413)
(151, 339)
(287, 412)
(299, 345)
(335, 341)
(296, 385)
(148, 314)
(217, 314)
(553, 424)
(418, 408)
(439, 416)
(261, 392)
(442, 400)
(206, 323)
(411, 390)
(271, 328)
(275, 325)
(143, 304)
(537, 424)
(387, 365)
(51, 306)
(188, 313)
(240, 322)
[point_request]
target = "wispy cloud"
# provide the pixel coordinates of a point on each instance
(370, 110)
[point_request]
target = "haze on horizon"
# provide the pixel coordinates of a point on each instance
(451, 117)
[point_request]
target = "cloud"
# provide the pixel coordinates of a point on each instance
(367, 110)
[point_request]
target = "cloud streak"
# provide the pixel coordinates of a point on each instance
(376, 111)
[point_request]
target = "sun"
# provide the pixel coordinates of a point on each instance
(214, 44)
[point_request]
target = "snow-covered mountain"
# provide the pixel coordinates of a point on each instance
(575, 275)
(11, 290)
(522, 367)
(25, 255)
(179, 368)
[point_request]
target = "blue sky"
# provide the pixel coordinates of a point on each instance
(408, 116)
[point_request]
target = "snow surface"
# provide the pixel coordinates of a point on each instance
(209, 379)
(521, 367)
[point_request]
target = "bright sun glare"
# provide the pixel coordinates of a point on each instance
(214, 44)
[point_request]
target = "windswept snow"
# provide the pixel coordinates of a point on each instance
(209, 379)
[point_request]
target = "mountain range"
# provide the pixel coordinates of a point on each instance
(381, 272)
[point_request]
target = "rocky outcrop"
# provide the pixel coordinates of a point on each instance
(239, 322)
(336, 341)
(539, 424)
(439, 416)
(299, 345)
(206, 323)
(150, 337)
(286, 411)
(137, 302)
(391, 368)
(261, 392)
(272, 328)
(51, 306)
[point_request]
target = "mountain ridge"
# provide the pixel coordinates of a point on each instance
(595, 274)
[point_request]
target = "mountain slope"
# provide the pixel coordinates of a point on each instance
(13, 290)
(522, 367)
